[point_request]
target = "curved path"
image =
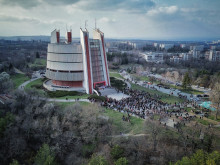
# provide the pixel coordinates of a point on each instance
(37, 75)
(27, 82)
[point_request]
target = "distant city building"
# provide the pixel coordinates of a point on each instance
(166, 46)
(195, 53)
(77, 67)
(214, 55)
(156, 45)
(175, 59)
(182, 45)
(184, 56)
(197, 47)
(131, 45)
(153, 57)
(112, 49)
(213, 47)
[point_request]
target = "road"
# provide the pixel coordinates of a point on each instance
(161, 89)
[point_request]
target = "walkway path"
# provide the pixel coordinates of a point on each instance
(27, 82)
(69, 100)
(37, 75)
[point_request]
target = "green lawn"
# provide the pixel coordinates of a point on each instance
(204, 122)
(144, 78)
(212, 117)
(190, 91)
(39, 62)
(33, 83)
(134, 127)
(114, 74)
(165, 97)
(18, 79)
(37, 84)
(65, 104)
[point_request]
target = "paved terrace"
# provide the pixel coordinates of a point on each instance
(112, 93)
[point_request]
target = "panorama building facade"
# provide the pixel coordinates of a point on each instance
(77, 66)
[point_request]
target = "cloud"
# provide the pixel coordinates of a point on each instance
(139, 6)
(138, 18)
(7, 18)
(17, 19)
(88, 5)
(188, 10)
(106, 20)
(27, 4)
(61, 2)
(163, 10)
(22, 3)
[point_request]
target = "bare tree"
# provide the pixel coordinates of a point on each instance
(155, 129)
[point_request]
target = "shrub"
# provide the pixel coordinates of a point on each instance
(201, 157)
(54, 94)
(14, 162)
(37, 86)
(45, 156)
(119, 84)
(117, 152)
(88, 150)
(98, 98)
(98, 160)
(121, 161)
(4, 121)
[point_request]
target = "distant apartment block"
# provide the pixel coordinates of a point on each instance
(182, 45)
(197, 47)
(196, 54)
(153, 57)
(175, 59)
(166, 46)
(185, 56)
(214, 55)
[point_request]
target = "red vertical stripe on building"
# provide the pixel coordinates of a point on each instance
(58, 37)
(69, 37)
(88, 64)
(103, 46)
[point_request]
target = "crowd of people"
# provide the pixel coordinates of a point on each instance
(145, 105)
(139, 103)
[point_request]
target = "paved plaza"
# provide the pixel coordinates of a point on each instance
(112, 93)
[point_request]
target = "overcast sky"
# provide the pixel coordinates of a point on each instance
(145, 19)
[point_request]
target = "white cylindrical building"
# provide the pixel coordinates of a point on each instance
(77, 67)
(64, 63)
